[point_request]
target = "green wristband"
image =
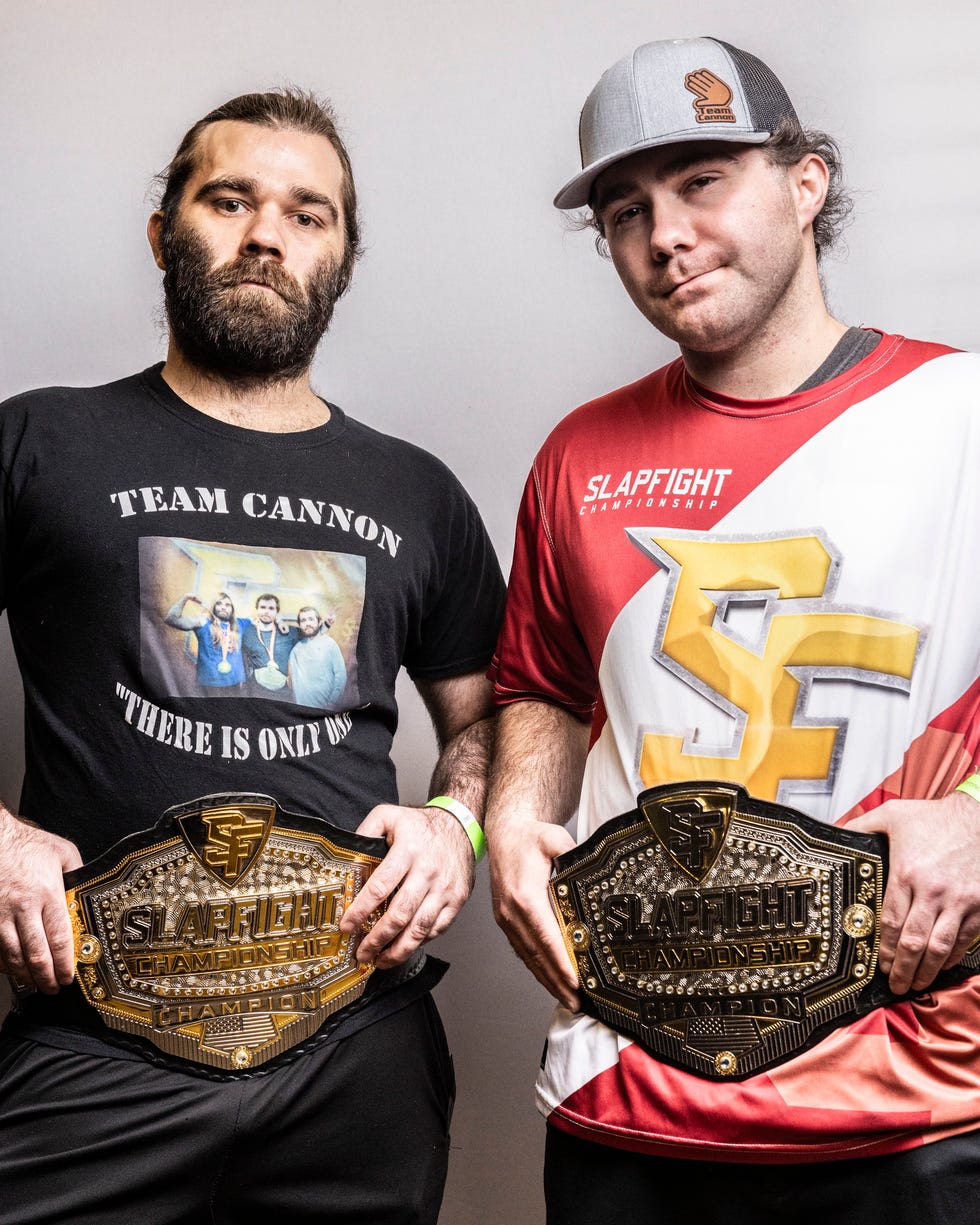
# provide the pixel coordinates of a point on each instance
(463, 815)
(971, 786)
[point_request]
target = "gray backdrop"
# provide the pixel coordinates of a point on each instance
(477, 317)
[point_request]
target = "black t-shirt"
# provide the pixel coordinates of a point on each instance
(119, 500)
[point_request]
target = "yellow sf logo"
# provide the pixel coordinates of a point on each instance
(231, 842)
(763, 682)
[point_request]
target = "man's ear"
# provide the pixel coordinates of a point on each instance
(154, 228)
(811, 179)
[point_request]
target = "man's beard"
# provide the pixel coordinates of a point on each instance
(251, 337)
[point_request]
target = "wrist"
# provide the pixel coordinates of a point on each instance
(970, 786)
(471, 826)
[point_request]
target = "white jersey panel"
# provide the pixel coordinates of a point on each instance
(874, 487)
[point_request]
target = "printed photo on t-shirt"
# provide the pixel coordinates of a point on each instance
(222, 620)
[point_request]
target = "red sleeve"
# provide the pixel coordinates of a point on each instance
(540, 654)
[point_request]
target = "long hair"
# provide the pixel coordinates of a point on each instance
(232, 635)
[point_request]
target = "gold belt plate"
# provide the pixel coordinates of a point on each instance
(215, 934)
(723, 933)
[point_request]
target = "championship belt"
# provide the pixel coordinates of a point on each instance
(723, 933)
(214, 935)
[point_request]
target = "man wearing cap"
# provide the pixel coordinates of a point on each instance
(736, 640)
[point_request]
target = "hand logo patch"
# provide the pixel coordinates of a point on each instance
(713, 97)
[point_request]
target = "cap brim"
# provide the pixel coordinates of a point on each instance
(576, 192)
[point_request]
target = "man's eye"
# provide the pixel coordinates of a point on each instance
(627, 214)
(306, 220)
(230, 206)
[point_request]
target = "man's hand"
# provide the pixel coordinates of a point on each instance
(539, 757)
(931, 910)
(428, 871)
(36, 943)
(427, 874)
(520, 868)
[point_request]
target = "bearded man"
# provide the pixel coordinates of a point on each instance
(317, 671)
(211, 1025)
(218, 633)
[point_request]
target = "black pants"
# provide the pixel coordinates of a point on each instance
(593, 1184)
(355, 1132)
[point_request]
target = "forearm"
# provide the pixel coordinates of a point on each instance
(463, 768)
(175, 615)
(538, 761)
(428, 872)
(461, 709)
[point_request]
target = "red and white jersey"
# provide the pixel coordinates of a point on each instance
(779, 594)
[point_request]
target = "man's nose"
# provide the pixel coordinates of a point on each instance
(265, 235)
(670, 230)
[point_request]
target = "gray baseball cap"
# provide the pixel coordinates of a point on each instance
(668, 92)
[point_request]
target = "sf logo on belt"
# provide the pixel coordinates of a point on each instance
(691, 833)
(227, 839)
